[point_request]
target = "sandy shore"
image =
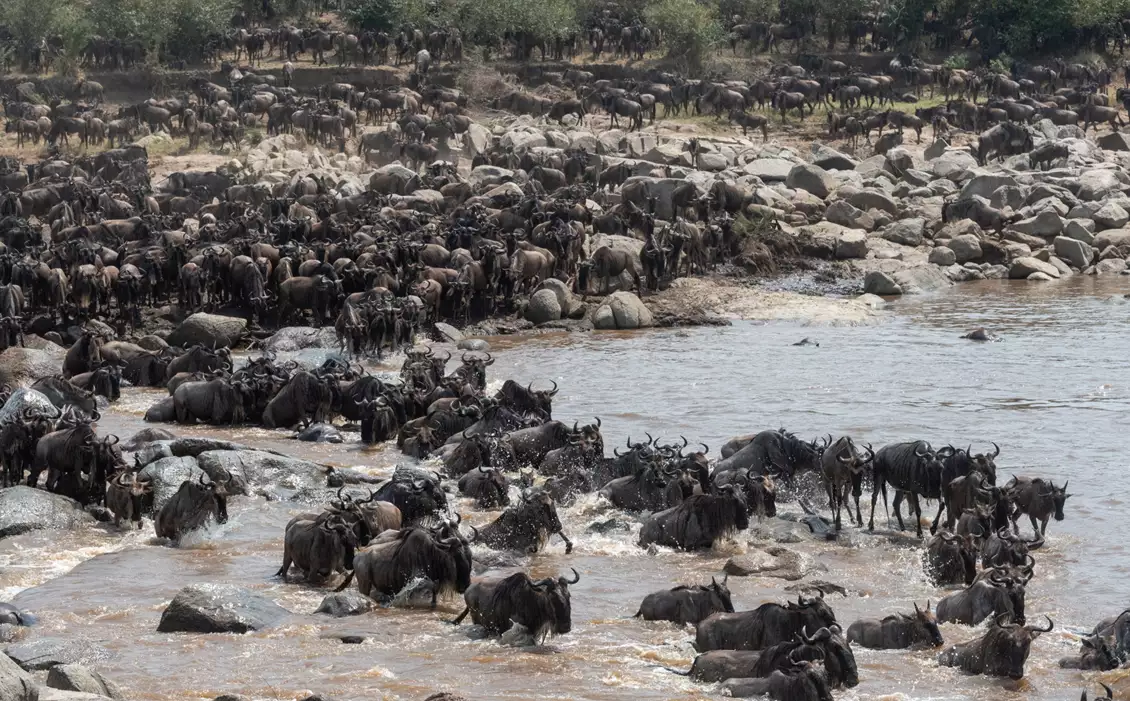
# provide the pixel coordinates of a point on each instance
(730, 299)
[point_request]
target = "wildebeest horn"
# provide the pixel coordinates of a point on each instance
(617, 453)
(598, 426)
(201, 478)
(576, 577)
(1109, 691)
(916, 453)
(705, 448)
(684, 441)
(474, 533)
(1034, 629)
(996, 450)
(464, 357)
(553, 392)
(650, 440)
(575, 427)
(819, 636)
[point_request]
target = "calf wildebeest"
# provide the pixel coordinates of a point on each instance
(686, 604)
(525, 526)
(1038, 498)
(951, 559)
(698, 521)
(124, 497)
(192, 506)
(913, 468)
(802, 681)
(842, 468)
(749, 121)
(897, 631)
(318, 548)
(995, 597)
(398, 557)
(1094, 653)
(764, 626)
(1001, 652)
(1047, 153)
(540, 606)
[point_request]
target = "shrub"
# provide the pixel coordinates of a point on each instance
(689, 30)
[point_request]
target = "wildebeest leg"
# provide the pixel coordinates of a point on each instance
(1035, 525)
(917, 506)
(941, 507)
(880, 484)
(285, 567)
(459, 619)
(856, 492)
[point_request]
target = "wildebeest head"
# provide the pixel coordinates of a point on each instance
(1058, 496)
(815, 607)
(838, 658)
(1015, 591)
(337, 528)
(947, 546)
(985, 463)
(496, 488)
(1096, 654)
(538, 507)
(924, 627)
(219, 492)
(721, 593)
(760, 494)
(557, 591)
(137, 490)
(475, 369)
(1007, 646)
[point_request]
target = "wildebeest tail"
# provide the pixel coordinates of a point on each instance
(674, 671)
(346, 583)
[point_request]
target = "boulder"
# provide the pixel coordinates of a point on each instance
(899, 161)
(985, 185)
(15, 683)
(1114, 237)
(1075, 252)
(851, 244)
(1022, 267)
(924, 278)
(1097, 183)
(448, 333)
(1110, 216)
(1110, 266)
(346, 603)
(24, 509)
(208, 330)
(713, 161)
(1046, 224)
(219, 608)
(482, 175)
(874, 199)
(255, 470)
(565, 299)
(523, 139)
(1114, 141)
(769, 169)
(28, 400)
(1080, 230)
(640, 142)
(829, 158)
(473, 344)
(845, 214)
(476, 140)
(543, 306)
(147, 435)
(812, 179)
(669, 154)
(295, 338)
(942, 256)
(953, 164)
(774, 561)
(908, 232)
(75, 677)
(43, 654)
(880, 283)
(1040, 277)
(965, 247)
(624, 311)
(166, 475)
(21, 367)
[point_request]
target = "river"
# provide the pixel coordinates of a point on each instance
(1053, 394)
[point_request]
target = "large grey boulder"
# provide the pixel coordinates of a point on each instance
(166, 475)
(1097, 183)
(952, 165)
(880, 283)
(488, 175)
(543, 307)
(1023, 267)
(208, 330)
(75, 677)
(985, 185)
(851, 244)
(295, 338)
(908, 232)
(1119, 238)
(622, 310)
(1046, 224)
(565, 299)
(846, 214)
(476, 139)
(254, 470)
(21, 367)
(874, 199)
(829, 158)
(15, 683)
(44, 653)
(147, 435)
(346, 603)
(219, 608)
(30, 401)
(965, 247)
(1080, 230)
(942, 256)
(924, 278)
(812, 179)
(1075, 252)
(769, 169)
(24, 509)
(1110, 216)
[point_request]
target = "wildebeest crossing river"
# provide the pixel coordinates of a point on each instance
(1054, 395)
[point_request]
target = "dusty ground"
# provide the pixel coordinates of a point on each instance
(739, 300)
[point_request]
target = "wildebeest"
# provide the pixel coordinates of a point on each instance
(525, 526)
(686, 604)
(1003, 549)
(778, 454)
(192, 506)
(526, 400)
(12, 616)
(1001, 652)
(764, 626)
(1094, 653)
(698, 521)
(540, 606)
(1038, 498)
(398, 557)
(913, 468)
(995, 596)
(897, 631)
(842, 467)
(124, 497)
(415, 492)
(318, 548)
(802, 681)
(487, 486)
(951, 559)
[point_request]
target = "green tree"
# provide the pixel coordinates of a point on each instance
(690, 30)
(31, 22)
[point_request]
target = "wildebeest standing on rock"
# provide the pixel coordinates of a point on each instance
(686, 604)
(764, 626)
(898, 631)
(125, 497)
(192, 506)
(541, 606)
(698, 521)
(1001, 652)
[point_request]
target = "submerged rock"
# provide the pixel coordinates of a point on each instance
(345, 603)
(219, 608)
(320, 433)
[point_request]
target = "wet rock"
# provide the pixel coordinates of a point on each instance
(320, 433)
(980, 334)
(10, 615)
(776, 561)
(780, 531)
(880, 283)
(1040, 277)
(46, 693)
(542, 307)
(942, 256)
(21, 367)
(24, 509)
(74, 677)
(219, 608)
(147, 435)
(345, 603)
(474, 344)
(167, 475)
(924, 278)
(45, 654)
(15, 683)
(965, 247)
(208, 330)
(256, 469)
(294, 338)
(1075, 252)
(622, 310)
(1022, 268)
(29, 400)
(448, 333)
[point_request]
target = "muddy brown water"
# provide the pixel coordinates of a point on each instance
(1054, 394)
